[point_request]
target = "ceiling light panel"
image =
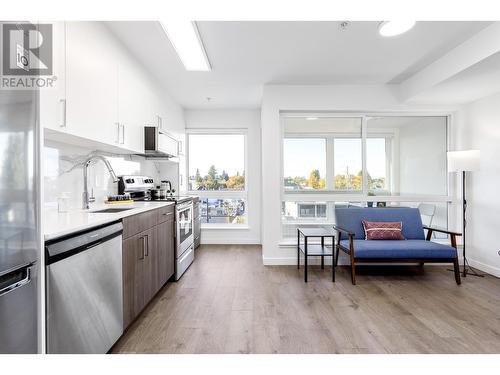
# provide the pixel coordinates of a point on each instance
(186, 40)
(393, 28)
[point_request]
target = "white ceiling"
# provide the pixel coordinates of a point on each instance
(480, 80)
(247, 55)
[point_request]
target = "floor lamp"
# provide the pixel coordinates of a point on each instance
(464, 161)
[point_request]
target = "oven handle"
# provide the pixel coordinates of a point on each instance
(186, 254)
(183, 206)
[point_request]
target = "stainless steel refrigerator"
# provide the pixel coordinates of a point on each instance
(19, 228)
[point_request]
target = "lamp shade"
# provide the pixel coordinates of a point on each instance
(460, 161)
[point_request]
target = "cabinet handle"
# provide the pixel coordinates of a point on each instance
(117, 132)
(146, 244)
(123, 133)
(141, 257)
(62, 104)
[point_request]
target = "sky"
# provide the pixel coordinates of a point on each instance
(301, 156)
(225, 151)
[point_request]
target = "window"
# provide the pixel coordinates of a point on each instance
(332, 162)
(377, 161)
(315, 210)
(347, 164)
(406, 155)
(223, 211)
(304, 173)
(216, 170)
(216, 162)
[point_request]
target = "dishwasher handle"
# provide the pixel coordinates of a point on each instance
(15, 279)
(63, 248)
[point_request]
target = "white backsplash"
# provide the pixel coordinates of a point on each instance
(63, 172)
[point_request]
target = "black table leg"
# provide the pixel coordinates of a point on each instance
(334, 262)
(322, 257)
(298, 249)
(305, 259)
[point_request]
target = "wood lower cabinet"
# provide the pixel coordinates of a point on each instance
(148, 260)
(133, 277)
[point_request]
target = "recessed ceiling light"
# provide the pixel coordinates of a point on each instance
(186, 40)
(393, 28)
(311, 118)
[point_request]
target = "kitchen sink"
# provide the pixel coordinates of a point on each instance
(110, 210)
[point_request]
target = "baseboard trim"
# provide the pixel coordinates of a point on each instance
(231, 241)
(495, 271)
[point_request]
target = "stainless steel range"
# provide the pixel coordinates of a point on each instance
(140, 188)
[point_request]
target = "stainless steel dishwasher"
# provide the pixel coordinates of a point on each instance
(84, 291)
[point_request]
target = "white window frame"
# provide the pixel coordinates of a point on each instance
(333, 196)
(221, 194)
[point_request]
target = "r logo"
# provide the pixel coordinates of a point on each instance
(27, 49)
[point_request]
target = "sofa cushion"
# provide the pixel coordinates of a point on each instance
(418, 249)
(383, 230)
(351, 219)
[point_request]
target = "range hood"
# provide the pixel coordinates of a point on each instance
(159, 144)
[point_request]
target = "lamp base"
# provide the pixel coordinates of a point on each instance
(468, 270)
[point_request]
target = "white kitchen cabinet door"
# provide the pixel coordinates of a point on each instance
(92, 82)
(53, 100)
(133, 104)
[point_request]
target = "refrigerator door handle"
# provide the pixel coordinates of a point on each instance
(17, 283)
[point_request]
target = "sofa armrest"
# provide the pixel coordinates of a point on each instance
(453, 235)
(440, 230)
(342, 230)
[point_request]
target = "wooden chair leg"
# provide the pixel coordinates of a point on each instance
(353, 272)
(337, 257)
(456, 268)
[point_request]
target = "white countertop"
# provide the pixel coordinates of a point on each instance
(56, 224)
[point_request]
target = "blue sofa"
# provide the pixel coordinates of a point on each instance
(417, 248)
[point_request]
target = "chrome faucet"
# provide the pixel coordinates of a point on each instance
(86, 163)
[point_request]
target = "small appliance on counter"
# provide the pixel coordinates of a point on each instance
(137, 187)
(119, 198)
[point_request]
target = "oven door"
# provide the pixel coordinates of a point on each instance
(184, 227)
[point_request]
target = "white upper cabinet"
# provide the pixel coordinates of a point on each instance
(53, 100)
(91, 82)
(134, 109)
(102, 94)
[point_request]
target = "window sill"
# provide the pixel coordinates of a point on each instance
(225, 227)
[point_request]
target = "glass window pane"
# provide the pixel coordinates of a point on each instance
(216, 162)
(376, 163)
(415, 155)
(304, 163)
(348, 164)
(223, 211)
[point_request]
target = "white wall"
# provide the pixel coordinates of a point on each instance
(478, 127)
(339, 98)
(236, 119)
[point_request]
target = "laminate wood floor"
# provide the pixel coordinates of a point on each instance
(228, 302)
